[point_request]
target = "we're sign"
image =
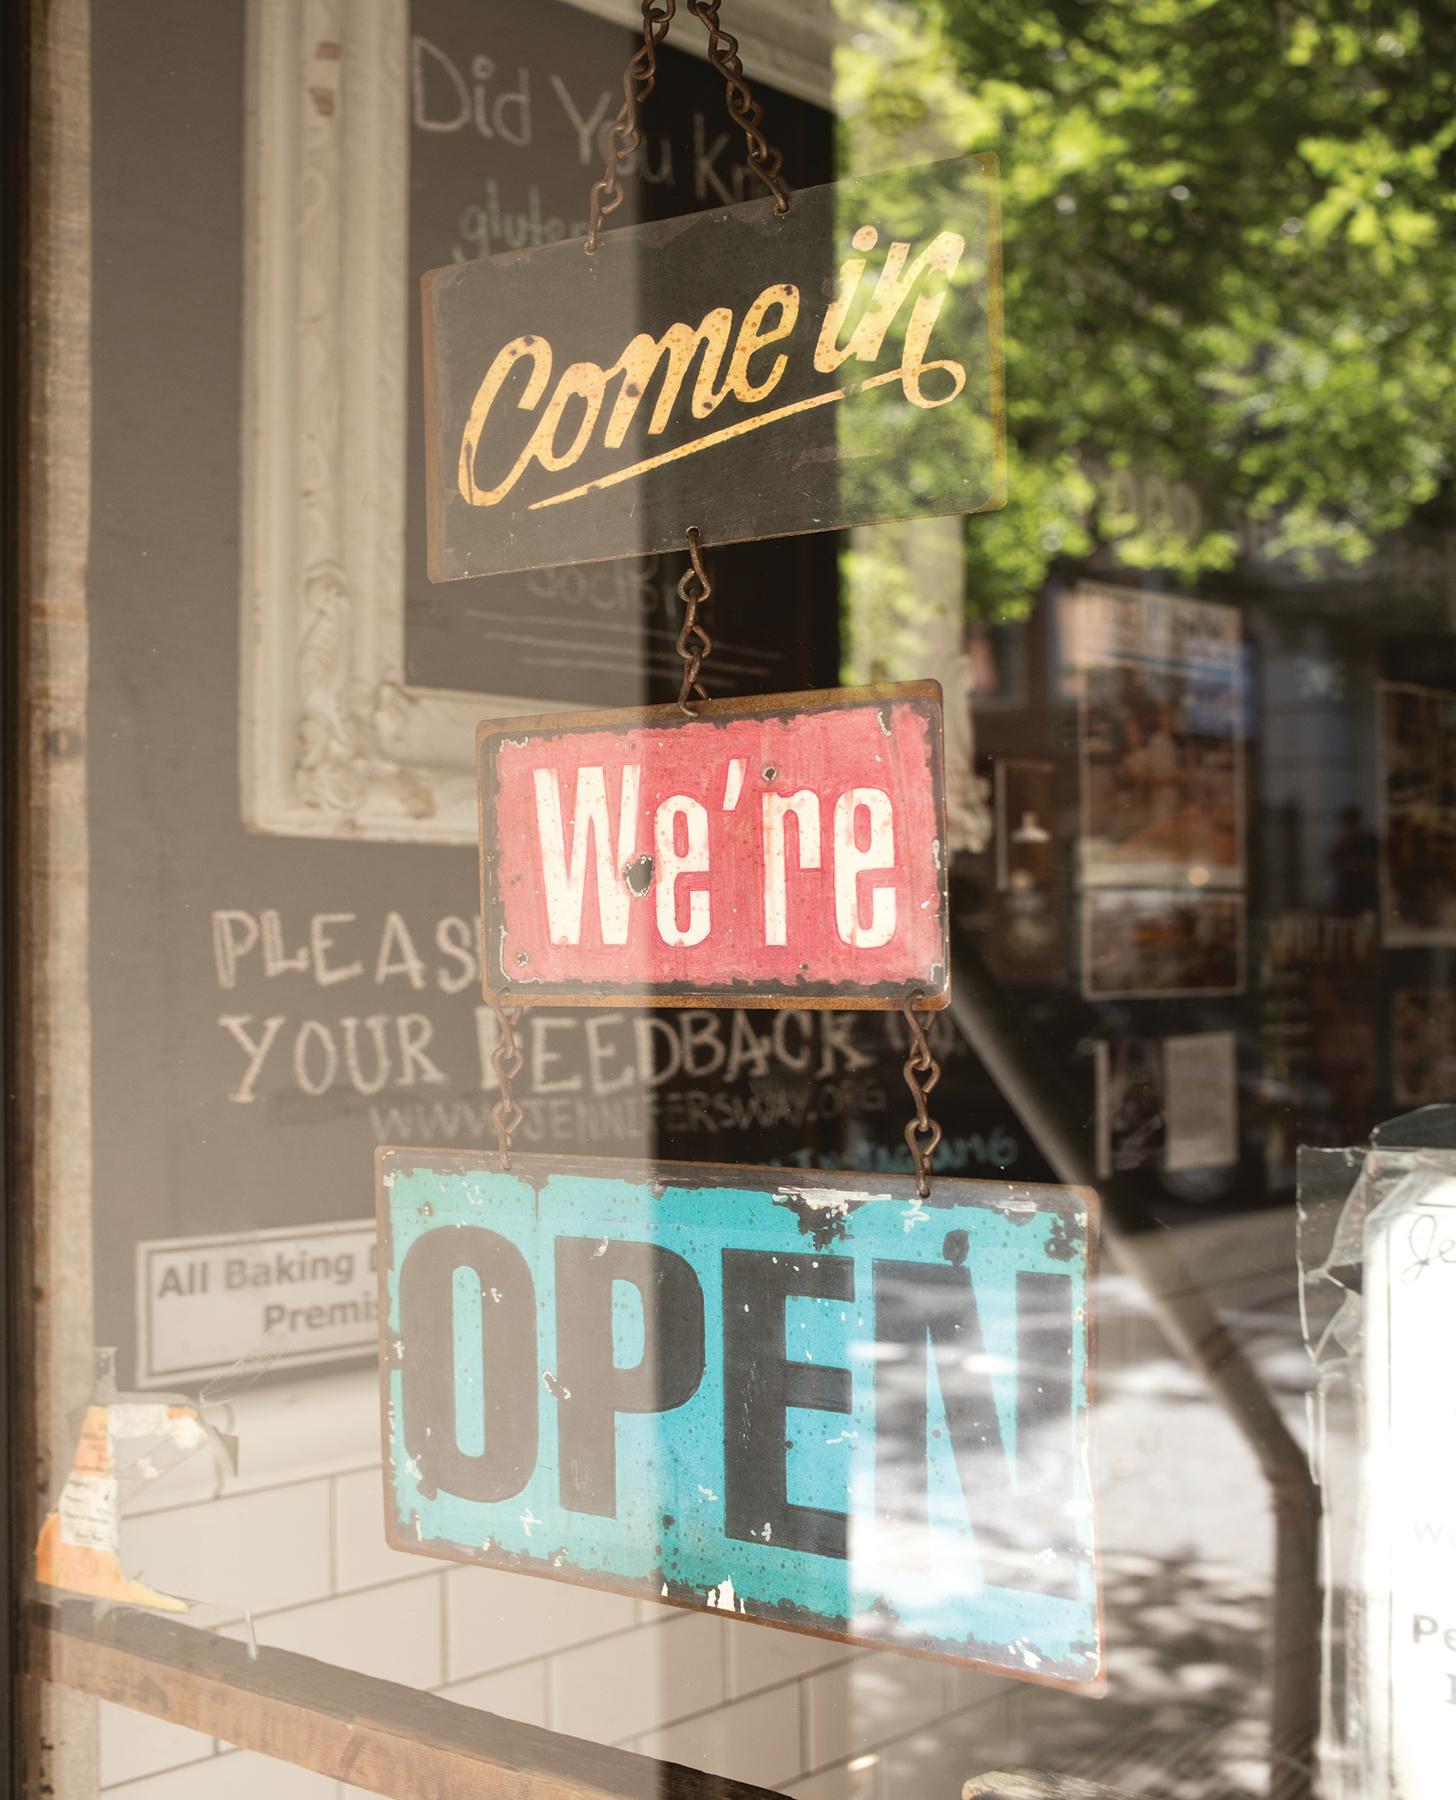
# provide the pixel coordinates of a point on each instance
(780, 851)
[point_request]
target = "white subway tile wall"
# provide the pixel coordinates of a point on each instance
(296, 1540)
(497, 1619)
(232, 1775)
(754, 1740)
(134, 1744)
(856, 1705)
(518, 1693)
(246, 1552)
(394, 1632)
(615, 1689)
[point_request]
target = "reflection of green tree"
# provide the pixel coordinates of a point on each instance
(1230, 263)
(899, 458)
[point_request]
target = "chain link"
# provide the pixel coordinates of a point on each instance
(743, 109)
(507, 1059)
(918, 1063)
(637, 83)
(692, 598)
(640, 78)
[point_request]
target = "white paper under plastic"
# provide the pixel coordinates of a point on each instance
(88, 1512)
(1406, 1556)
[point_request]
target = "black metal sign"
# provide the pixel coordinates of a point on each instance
(741, 371)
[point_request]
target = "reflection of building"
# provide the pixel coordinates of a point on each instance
(1315, 698)
(1418, 741)
(1423, 1046)
(1355, 859)
(1318, 1027)
(1160, 681)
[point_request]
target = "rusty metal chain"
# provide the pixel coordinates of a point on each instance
(743, 109)
(918, 1063)
(692, 598)
(507, 1059)
(637, 83)
(640, 78)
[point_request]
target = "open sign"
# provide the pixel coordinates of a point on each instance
(814, 1400)
(787, 850)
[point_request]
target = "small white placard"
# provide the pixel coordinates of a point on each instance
(1200, 1101)
(1404, 1654)
(204, 1303)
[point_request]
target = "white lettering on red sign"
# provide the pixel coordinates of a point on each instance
(794, 852)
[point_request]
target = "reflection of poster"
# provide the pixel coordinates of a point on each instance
(1423, 1046)
(1172, 1103)
(1200, 1101)
(1320, 1056)
(1143, 941)
(1027, 939)
(1159, 679)
(1129, 1104)
(1418, 802)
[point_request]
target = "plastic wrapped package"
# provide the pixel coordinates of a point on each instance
(1377, 1258)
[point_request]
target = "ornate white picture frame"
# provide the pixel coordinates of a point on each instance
(334, 741)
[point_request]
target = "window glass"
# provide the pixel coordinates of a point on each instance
(1184, 569)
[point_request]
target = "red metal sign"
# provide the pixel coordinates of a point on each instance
(786, 850)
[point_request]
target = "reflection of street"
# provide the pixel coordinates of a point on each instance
(1185, 1718)
(1160, 941)
(1187, 1552)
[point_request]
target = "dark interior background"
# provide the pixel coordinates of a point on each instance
(174, 1156)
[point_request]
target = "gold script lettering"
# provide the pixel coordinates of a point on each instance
(827, 354)
(640, 361)
(751, 338)
(637, 365)
(678, 343)
(584, 381)
(944, 253)
(540, 353)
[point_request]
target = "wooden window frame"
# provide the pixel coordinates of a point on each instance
(374, 1734)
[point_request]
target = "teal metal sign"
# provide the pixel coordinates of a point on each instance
(810, 1399)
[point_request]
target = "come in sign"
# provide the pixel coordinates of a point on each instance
(748, 373)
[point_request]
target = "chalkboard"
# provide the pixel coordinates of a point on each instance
(266, 1010)
(545, 82)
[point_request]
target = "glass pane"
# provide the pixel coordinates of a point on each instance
(1186, 871)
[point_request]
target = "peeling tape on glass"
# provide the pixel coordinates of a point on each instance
(813, 1400)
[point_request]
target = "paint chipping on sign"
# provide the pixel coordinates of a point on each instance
(618, 863)
(722, 1597)
(881, 1438)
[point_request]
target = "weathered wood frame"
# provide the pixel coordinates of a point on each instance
(334, 743)
(45, 940)
(374, 1734)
